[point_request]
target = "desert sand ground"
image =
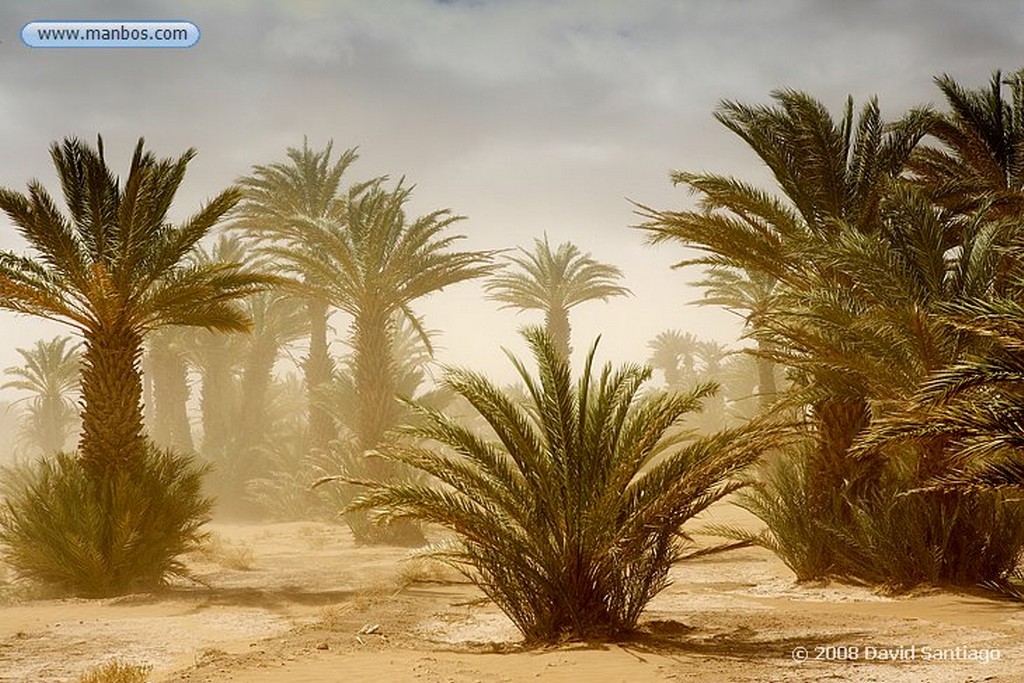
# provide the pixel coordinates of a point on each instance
(299, 602)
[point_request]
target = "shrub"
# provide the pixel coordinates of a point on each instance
(230, 555)
(116, 672)
(888, 534)
(568, 514)
(778, 495)
(64, 529)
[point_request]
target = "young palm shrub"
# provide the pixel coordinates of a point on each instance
(777, 495)
(890, 536)
(92, 538)
(568, 515)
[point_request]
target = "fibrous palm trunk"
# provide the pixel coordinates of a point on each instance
(216, 399)
(112, 437)
(256, 379)
(53, 419)
(317, 370)
(374, 372)
(556, 320)
(376, 414)
(171, 427)
(833, 471)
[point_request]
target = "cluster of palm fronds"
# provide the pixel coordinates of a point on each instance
(568, 514)
(883, 536)
(881, 277)
(67, 530)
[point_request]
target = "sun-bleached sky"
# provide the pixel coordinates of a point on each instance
(526, 116)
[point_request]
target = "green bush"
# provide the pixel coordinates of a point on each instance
(568, 513)
(88, 538)
(888, 534)
(778, 495)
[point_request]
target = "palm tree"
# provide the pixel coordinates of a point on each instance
(981, 160)
(750, 294)
(674, 353)
(282, 201)
(834, 176)
(50, 375)
(374, 266)
(165, 369)
(569, 516)
(554, 282)
(880, 329)
(114, 271)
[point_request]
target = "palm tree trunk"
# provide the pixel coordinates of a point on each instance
(833, 472)
(318, 369)
(216, 398)
(377, 413)
(556, 321)
(171, 427)
(766, 387)
(374, 379)
(256, 380)
(54, 425)
(112, 437)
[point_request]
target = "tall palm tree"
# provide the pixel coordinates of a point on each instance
(281, 203)
(50, 375)
(114, 270)
(165, 369)
(554, 282)
(373, 266)
(981, 160)
(674, 353)
(834, 176)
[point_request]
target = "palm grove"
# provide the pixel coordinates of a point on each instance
(870, 418)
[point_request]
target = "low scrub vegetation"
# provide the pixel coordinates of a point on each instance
(127, 533)
(228, 554)
(887, 535)
(117, 672)
(569, 516)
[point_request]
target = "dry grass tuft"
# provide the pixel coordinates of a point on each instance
(117, 672)
(336, 616)
(318, 537)
(227, 554)
(426, 570)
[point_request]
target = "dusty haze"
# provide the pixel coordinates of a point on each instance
(526, 117)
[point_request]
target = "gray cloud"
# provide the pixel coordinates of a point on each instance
(525, 116)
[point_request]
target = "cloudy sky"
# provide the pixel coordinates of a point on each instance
(526, 116)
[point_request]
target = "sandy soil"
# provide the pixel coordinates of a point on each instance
(310, 606)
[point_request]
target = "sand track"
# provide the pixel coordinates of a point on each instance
(314, 608)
